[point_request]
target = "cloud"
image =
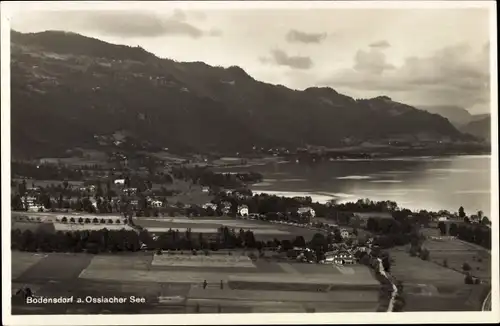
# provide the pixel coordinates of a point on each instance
(295, 36)
(373, 61)
(453, 75)
(281, 58)
(128, 23)
(380, 45)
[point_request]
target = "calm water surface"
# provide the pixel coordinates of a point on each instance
(414, 183)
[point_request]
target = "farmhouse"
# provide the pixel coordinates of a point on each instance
(243, 210)
(205, 189)
(156, 203)
(344, 234)
(305, 210)
(209, 205)
(36, 208)
(343, 257)
(129, 191)
(120, 182)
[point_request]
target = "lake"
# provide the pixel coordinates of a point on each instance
(431, 183)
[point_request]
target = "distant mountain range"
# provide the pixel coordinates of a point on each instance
(458, 116)
(478, 125)
(69, 90)
(480, 128)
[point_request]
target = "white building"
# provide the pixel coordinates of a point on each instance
(156, 203)
(243, 210)
(36, 208)
(209, 205)
(343, 257)
(205, 189)
(304, 210)
(120, 182)
(344, 234)
(29, 203)
(129, 191)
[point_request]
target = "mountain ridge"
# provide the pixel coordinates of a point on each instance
(480, 128)
(88, 87)
(457, 115)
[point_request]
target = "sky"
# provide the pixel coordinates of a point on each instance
(415, 56)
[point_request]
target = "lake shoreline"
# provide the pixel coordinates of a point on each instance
(437, 183)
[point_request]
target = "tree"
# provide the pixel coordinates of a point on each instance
(485, 221)
(413, 251)
(337, 236)
(80, 220)
(424, 254)
(468, 279)
(64, 219)
(461, 212)
(442, 227)
(466, 267)
(22, 188)
(372, 224)
(453, 231)
(299, 242)
(72, 220)
(386, 262)
(60, 201)
(17, 203)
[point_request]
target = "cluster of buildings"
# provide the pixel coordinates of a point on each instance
(31, 205)
(338, 254)
(242, 210)
(225, 207)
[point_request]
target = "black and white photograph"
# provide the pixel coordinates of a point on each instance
(219, 162)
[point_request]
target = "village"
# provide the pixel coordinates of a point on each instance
(185, 217)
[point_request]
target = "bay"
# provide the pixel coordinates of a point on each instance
(431, 183)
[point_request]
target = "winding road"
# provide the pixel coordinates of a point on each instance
(487, 303)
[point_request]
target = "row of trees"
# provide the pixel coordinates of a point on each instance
(131, 240)
(475, 233)
(74, 220)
